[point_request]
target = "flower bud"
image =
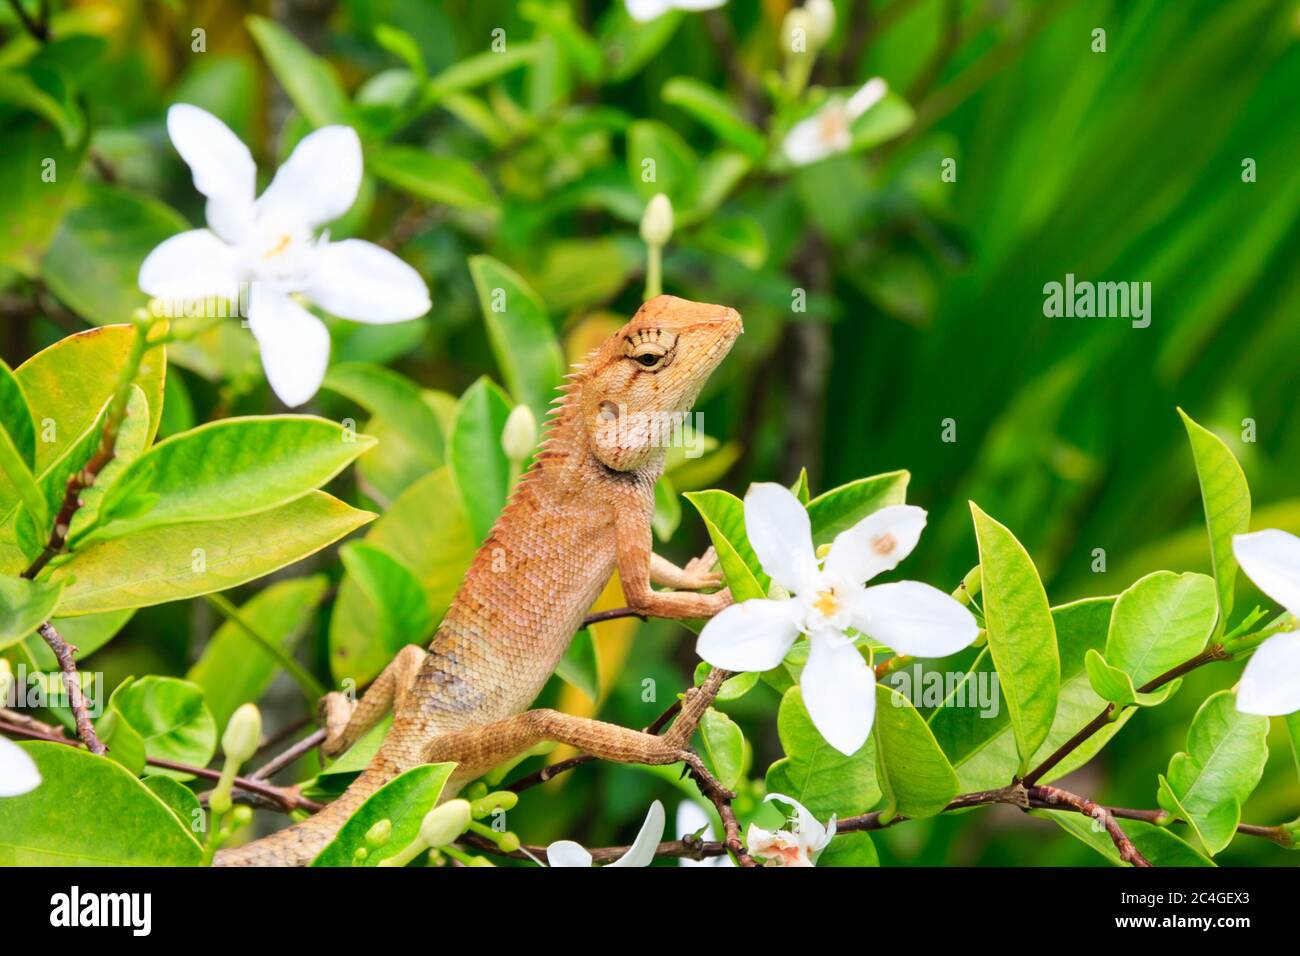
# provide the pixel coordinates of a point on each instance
(243, 734)
(519, 436)
(821, 20)
(242, 816)
(657, 221)
(797, 32)
(219, 802)
(380, 833)
(444, 823)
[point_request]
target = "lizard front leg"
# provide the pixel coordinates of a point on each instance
(347, 721)
(637, 563)
(698, 575)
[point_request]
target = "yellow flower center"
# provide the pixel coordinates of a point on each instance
(280, 246)
(826, 602)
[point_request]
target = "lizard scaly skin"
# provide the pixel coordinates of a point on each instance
(582, 511)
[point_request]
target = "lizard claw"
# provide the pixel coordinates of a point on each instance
(701, 569)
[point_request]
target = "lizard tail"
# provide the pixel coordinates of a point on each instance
(298, 845)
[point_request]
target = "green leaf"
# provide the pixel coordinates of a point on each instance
(1115, 686)
(579, 666)
(16, 417)
(1155, 843)
(841, 508)
(45, 92)
(394, 398)
(439, 179)
(428, 532)
(472, 71)
(725, 744)
(668, 509)
(724, 517)
(125, 743)
(69, 383)
(90, 811)
(403, 801)
(403, 610)
(183, 561)
(916, 777)
(172, 719)
(1207, 783)
(1021, 636)
(520, 331)
(19, 483)
(310, 80)
(629, 44)
(850, 849)
(234, 668)
(815, 773)
(227, 469)
(973, 725)
(889, 118)
(1226, 497)
(38, 178)
(180, 800)
(1159, 622)
(476, 457)
(715, 111)
(660, 161)
(737, 237)
(93, 264)
(23, 606)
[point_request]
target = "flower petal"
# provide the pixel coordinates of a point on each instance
(811, 834)
(1270, 684)
(914, 618)
(875, 544)
(642, 850)
(223, 167)
(358, 280)
(839, 690)
(643, 11)
(779, 531)
(804, 144)
(696, 5)
(871, 93)
(1272, 560)
(191, 265)
(567, 853)
(753, 635)
(318, 182)
(295, 345)
(18, 773)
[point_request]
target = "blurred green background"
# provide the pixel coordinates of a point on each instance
(925, 297)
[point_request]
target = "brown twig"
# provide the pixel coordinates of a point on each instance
(1055, 798)
(680, 849)
(611, 615)
(287, 798)
(65, 653)
(39, 29)
(282, 760)
(730, 829)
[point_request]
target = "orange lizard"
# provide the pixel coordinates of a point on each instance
(581, 511)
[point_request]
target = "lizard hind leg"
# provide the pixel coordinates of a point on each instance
(346, 721)
(482, 748)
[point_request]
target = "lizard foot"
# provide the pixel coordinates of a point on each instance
(700, 570)
(334, 712)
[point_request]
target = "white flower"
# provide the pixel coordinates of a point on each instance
(798, 846)
(1270, 685)
(18, 773)
(830, 129)
(640, 853)
(691, 819)
(839, 689)
(269, 244)
(644, 11)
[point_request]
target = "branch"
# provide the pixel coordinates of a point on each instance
(1214, 652)
(38, 29)
(1054, 798)
(687, 849)
(278, 763)
(611, 615)
(287, 798)
(65, 653)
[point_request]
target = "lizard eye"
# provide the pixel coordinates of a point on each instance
(652, 349)
(648, 358)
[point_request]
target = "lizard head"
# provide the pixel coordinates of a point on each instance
(643, 380)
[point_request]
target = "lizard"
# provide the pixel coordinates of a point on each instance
(580, 512)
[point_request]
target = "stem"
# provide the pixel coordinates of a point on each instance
(38, 29)
(654, 271)
(1054, 797)
(1214, 652)
(278, 763)
(310, 686)
(611, 615)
